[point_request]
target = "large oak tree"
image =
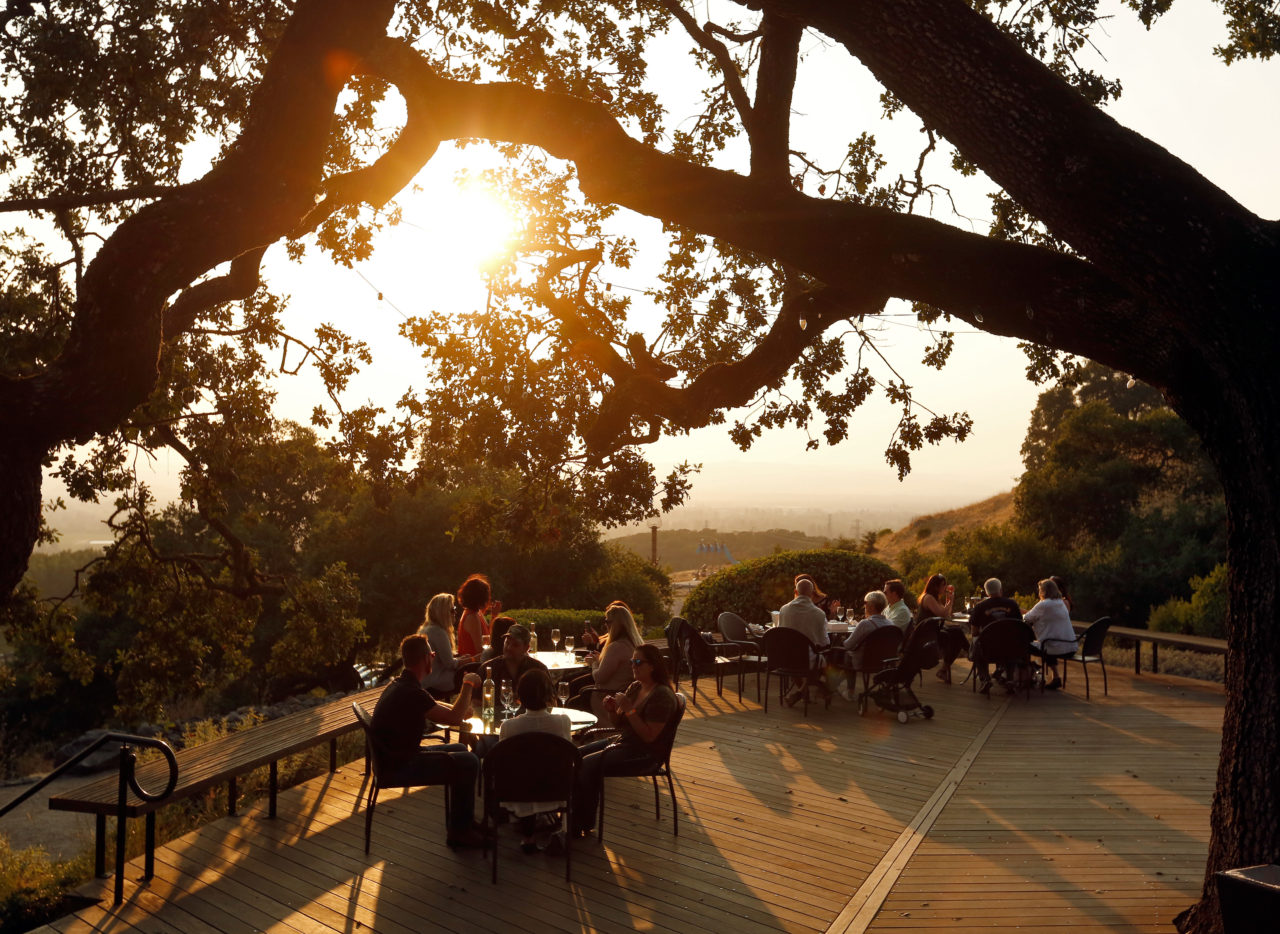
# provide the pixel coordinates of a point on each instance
(1108, 247)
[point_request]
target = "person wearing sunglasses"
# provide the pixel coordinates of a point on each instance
(640, 712)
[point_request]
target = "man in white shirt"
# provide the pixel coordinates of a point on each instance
(804, 616)
(897, 612)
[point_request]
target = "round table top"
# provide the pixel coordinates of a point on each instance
(559, 661)
(578, 720)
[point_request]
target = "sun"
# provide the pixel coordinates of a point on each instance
(475, 225)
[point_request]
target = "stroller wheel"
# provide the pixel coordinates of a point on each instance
(862, 705)
(927, 711)
(902, 716)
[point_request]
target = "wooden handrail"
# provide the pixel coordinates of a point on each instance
(1178, 640)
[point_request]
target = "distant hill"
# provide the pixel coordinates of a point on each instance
(927, 532)
(678, 548)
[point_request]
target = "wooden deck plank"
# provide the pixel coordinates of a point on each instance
(1091, 815)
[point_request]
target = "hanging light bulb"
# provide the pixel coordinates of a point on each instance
(803, 324)
(1132, 382)
(977, 316)
(1030, 313)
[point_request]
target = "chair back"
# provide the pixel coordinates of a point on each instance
(733, 627)
(530, 767)
(693, 648)
(787, 649)
(920, 648)
(375, 747)
(1094, 636)
(881, 645)
(1007, 640)
(667, 738)
(672, 631)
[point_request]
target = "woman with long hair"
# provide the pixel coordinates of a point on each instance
(610, 664)
(1051, 621)
(473, 596)
(447, 664)
(641, 712)
(938, 599)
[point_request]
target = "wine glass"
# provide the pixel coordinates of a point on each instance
(562, 691)
(485, 642)
(508, 699)
(555, 639)
(568, 644)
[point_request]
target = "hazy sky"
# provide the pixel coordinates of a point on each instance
(1220, 120)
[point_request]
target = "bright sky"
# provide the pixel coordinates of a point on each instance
(1175, 93)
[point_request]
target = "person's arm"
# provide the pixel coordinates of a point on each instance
(647, 730)
(441, 648)
(454, 714)
(470, 623)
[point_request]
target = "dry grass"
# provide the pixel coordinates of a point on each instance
(927, 532)
(1184, 663)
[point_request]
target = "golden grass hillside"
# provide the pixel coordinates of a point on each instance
(927, 532)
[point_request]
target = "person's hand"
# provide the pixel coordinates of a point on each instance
(472, 679)
(621, 702)
(610, 704)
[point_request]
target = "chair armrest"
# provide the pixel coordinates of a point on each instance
(591, 734)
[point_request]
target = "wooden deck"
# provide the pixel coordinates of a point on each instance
(1037, 814)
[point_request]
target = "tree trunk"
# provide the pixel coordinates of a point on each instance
(20, 466)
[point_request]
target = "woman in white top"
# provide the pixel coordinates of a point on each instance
(446, 665)
(1051, 621)
(611, 665)
(535, 692)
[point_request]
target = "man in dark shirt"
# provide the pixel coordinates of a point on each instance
(399, 720)
(993, 608)
(515, 659)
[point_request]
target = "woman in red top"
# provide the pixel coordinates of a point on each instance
(473, 597)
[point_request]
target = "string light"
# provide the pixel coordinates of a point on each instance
(1132, 382)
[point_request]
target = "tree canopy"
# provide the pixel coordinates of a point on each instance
(140, 319)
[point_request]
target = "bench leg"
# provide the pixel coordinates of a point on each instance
(149, 869)
(1137, 656)
(231, 796)
(100, 845)
(1155, 659)
(271, 790)
(333, 754)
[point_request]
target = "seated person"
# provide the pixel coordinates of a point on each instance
(825, 602)
(534, 692)
(399, 721)
(938, 600)
(897, 612)
(994, 607)
(1051, 621)
(806, 617)
(610, 665)
(447, 666)
(514, 660)
(641, 712)
(873, 607)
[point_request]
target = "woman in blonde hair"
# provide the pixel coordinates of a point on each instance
(611, 664)
(446, 666)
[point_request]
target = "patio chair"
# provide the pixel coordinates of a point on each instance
(734, 630)
(374, 757)
(530, 767)
(700, 657)
(881, 645)
(659, 766)
(1006, 643)
(789, 654)
(1090, 652)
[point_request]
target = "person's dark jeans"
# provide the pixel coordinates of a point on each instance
(453, 765)
(979, 660)
(601, 758)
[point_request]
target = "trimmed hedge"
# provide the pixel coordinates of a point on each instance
(569, 622)
(753, 589)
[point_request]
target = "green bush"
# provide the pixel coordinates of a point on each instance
(33, 887)
(1205, 614)
(753, 589)
(569, 622)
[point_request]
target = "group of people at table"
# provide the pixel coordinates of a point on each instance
(811, 611)
(628, 687)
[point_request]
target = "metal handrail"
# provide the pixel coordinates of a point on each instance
(128, 781)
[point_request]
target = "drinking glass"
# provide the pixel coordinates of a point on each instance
(562, 691)
(568, 644)
(555, 639)
(508, 698)
(485, 642)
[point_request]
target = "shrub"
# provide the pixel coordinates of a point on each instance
(569, 622)
(33, 887)
(1205, 614)
(753, 589)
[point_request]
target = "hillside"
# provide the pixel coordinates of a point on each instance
(927, 532)
(678, 549)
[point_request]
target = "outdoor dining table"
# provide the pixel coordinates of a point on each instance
(560, 664)
(578, 720)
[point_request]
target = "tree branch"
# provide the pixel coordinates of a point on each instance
(718, 51)
(240, 282)
(88, 199)
(775, 81)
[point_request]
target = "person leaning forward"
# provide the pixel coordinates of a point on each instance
(399, 721)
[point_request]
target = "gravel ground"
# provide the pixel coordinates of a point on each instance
(63, 834)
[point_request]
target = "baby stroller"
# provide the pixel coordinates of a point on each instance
(891, 687)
